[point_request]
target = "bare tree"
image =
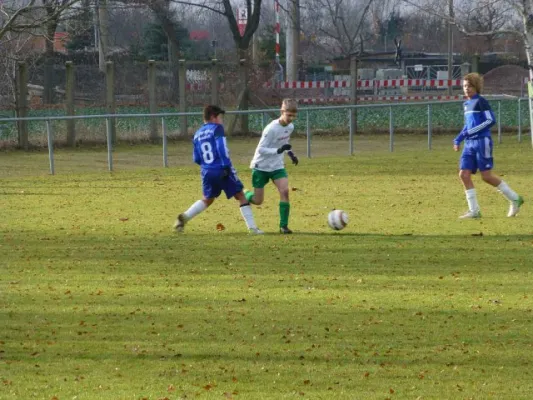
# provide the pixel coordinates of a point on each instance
(341, 23)
(27, 16)
(519, 22)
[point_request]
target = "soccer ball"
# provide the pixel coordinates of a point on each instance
(337, 220)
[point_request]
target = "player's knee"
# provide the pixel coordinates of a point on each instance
(284, 193)
(464, 175)
(487, 178)
(257, 200)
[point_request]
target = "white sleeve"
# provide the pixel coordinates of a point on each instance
(264, 144)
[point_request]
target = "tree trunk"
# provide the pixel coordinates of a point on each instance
(49, 81)
(103, 34)
(244, 73)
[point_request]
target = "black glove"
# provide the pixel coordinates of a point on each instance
(284, 148)
(226, 172)
(294, 159)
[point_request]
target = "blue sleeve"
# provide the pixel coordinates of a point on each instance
(460, 137)
(487, 118)
(222, 148)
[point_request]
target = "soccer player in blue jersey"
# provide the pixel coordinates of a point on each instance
(477, 151)
(210, 151)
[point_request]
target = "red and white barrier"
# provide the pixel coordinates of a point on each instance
(379, 83)
(322, 100)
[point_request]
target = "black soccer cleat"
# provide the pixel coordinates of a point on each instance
(285, 230)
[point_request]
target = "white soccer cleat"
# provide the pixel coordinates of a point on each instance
(471, 215)
(179, 225)
(514, 206)
(255, 231)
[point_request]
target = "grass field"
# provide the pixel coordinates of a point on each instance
(99, 299)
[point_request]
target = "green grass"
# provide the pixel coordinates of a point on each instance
(100, 300)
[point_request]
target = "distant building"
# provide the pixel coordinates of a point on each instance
(199, 35)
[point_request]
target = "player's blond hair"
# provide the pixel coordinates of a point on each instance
(289, 105)
(475, 80)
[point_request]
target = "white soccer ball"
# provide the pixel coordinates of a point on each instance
(337, 220)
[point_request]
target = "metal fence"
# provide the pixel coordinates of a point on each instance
(390, 116)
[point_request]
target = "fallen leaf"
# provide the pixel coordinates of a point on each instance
(123, 219)
(220, 227)
(294, 189)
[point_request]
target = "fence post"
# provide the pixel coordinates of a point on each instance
(499, 122)
(109, 136)
(430, 126)
(22, 105)
(353, 95)
(50, 138)
(391, 131)
(308, 133)
(110, 99)
(519, 120)
(214, 82)
(183, 99)
(69, 100)
(152, 100)
(165, 150)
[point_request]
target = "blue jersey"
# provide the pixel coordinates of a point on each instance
(210, 150)
(478, 119)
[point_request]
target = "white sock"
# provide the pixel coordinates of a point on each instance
(509, 193)
(246, 212)
(195, 209)
(471, 199)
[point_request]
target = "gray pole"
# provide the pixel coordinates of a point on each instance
(109, 136)
(353, 95)
(50, 137)
(152, 99)
(69, 99)
(183, 99)
(110, 96)
(430, 127)
(450, 46)
(165, 150)
(308, 133)
(391, 131)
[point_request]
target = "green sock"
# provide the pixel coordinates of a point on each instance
(249, 195)
(284, 211)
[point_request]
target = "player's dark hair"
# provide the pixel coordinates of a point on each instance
(212, 111)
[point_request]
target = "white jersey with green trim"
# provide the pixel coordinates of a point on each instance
(266, 157)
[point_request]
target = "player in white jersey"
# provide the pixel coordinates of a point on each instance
(268, 162)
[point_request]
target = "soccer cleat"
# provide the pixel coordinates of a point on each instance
(180, 223)
(255, 231)
(285, 230)
(514, 206)
(471, 214)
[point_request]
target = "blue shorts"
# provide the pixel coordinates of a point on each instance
(477, 154)
(214, 182)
